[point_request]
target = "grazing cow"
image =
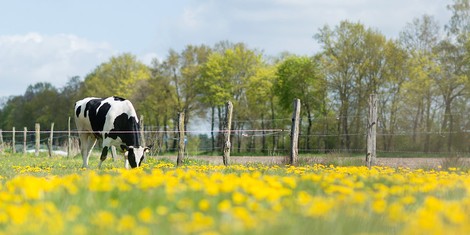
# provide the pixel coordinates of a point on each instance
(113, 120)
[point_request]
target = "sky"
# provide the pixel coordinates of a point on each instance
(54, 40)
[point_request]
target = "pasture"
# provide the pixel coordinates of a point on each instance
(42, 195)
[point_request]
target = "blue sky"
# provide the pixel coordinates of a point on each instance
(53, 40)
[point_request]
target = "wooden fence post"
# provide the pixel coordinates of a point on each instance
(1, 140)
(294, 139)
(38, 137)
(50, 140)
(372, 132)
(25, 139)
(227, 130)
(179, 160)
(13, 141)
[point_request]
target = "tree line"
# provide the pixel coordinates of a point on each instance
(421, 79)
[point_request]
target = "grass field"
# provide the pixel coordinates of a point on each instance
(42, 195)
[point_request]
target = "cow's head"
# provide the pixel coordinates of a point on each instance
(135, 155)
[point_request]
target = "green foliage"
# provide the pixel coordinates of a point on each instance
(117, 77)
(299, 77)
(41, 101)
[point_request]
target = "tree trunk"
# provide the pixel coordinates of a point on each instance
(174, 146)
(273, 125)
(165, 132)
(212, 128)
(416, 124)
(263, 136)
(220, 137)
(427, 141)
(446, 125)
(239, 140)
(309, 130)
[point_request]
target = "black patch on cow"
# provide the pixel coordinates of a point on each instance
(91, 106)
(117, 98)
(79, 109)
(127, 129)
(97, 119)
(131, 158)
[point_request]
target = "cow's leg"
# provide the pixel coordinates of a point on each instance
(113, 153)
(87, 143)
(104, 153)
(126, 164)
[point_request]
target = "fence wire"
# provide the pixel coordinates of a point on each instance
(269, 141)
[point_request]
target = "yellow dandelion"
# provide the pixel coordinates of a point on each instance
(18, 214)
(304, 198)
(126, 223)
(320, 207)
(204, 205)
(379, 206)
(224, 206)
(145, 215)
(238, 198)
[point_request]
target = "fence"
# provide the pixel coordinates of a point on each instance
(275, 140)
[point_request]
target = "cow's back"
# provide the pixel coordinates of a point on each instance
(101, 116)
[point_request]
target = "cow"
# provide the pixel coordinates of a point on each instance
(112, 120)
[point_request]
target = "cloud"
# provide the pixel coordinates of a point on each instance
(33, 57)
(289, 25)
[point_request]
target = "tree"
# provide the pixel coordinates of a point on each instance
(459, 24)
(261, 100)
(68, 95)
(38, 104)
(192, 60)
(300, 77)
(391, 100)
(41, 103)
(180, 72)
(452, 81)
(225, 77)
(418, 39)
(353, 60)
(214, 89)
(117, 77)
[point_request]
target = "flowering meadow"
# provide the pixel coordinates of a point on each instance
(41, 195)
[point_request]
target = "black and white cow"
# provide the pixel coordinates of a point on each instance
(113, 120)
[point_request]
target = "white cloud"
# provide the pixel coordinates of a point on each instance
(280, 25)
(33, 57)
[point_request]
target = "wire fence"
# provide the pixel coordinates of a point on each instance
(269, 142)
